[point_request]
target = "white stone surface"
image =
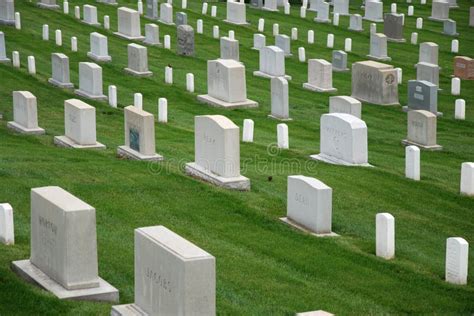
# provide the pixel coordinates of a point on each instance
(31, 65)
(138, 61)
(412, 163)
(457, 256)
(58, 38)
(162, 110)
(190, 82)
(25, 113)
(460, 109)
(138, 100)
(455, 86)
(99, 49)
(283, 141)
(385, 235)
(422, 130)
(166, 14)
(271, 63)
(319, 76)
(236, 13)
(45, 32)
(112, 96)
(467, 178)
(280, 98)
(247, 134)
(90, 15)
(90, 81)
(345, 104)
(7, 229)
(60, 71)
(348, 45)
(129, 24)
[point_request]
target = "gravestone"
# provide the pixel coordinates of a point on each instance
(3, 50)
(428, 53)
(428, 72)
(90, 81)
(271, 63)
(343, 140)
(256, 3)
(284, 43)
(129, 24)
(422, 130)
(385, 235)
(439, 10)
(345, 104)
(79, 126)
(373, 11)
(60, 71)
(172, 276)
(279, 99)
(457, 257)
(99, 48)
(217, 152)
(378, 47)
(152, 35)
(412, 163)
(7, 12)
(270, 5)
(393, 27)
(464, 67)
(166, 14)
(374, 82)
(151, 9)
(355, 23)
(25, 114)
(319, 76)
(185, 46)
(236, 13)
(90, 15)
(309, 205)
(422, 95)
(7, 229)
(229, 48)
(181, 18)
(139, 136)
(138, 61)
(467, 178)
(339, 61)
(449, 28)
(259, 41)
(314, 4)
(322, 15)
(341, 7)
(226, 85)
(48, 4)
(64, 248)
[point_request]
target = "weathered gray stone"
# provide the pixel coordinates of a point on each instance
(439, 10)
(181, 18)
(422, 95)
(355, 23)
(449, 28)
(229, 48)
(185, 46)
(7, 12)
(152, 9)
(3, 49)
(339, 60)
(393, 27)
(422, 130)
(60, 71)
(138, 61)
(259, 41)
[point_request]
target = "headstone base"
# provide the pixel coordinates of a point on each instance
(279, 118)
(64, 141)
(240, 183)
(373, 20)
(107, 2)
(336, 161)
(368, 101)
(384, 58)
(131, 38)
(99, 58)
(159, 44)
(405, 109)
(396, 40)
(437, 19)
(129, 153)
(104, 293)
(293, 224)
(92, 24)
(90, 96)
(311, 87)
(406, 142)
(5, 61)
(322, 20)
(340, 70)
(127, 310)
(259, 73)
(167, 23)
(450, 34)
(7, 22)
(48, 6)
(355, 30)
(237, 23)
(138, 73)
(23, 130)
(60, 84)
(271, 10)
(205, 98)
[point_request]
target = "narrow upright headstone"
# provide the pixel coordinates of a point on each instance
(247, 133)
(90, 15)
(457, 256)
(25, 114)
(166, 14)
(7, 229)
(283, 141)
(467, 178)
(385, 235)
(279, 99)
(412, 163)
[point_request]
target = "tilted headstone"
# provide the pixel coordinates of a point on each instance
(99, 48)
(271, 63)
(60, 71)
(457, 257)
(151, 9)
(7, 12)
(236, 13)
(25, 113)
(385, 235)
(90, 81)
(378, 47)
(428, 72)
(319, 76)
(7, 229)
(343, 140)
(48, 4)
(309, 205)
(139, 136)
(374, 82)
(393, 27)
(339, 61)
(322, 15)
(279, 99)
(138, 61)
(464, 67)
(90, 15)
(345, 104)
(229, 48)
(79, 126)
(439, 10)
(129, 24)
(3, 49)
(226, 85)
(185, 45)
(172, 276)
(64, 248)
(421, 130)
(373, 11)
(152, 35)
(166, 14)
(284, 43)
(467, 178)
(355, 23)
(259, 41)
(422, 95)
(449, 28)
(217, 152)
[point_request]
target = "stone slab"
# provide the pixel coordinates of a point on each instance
(90, 96)
(23, 130)
(60, 84)
(259, 73)
(138, 73)
(205, 98)
(130, 38)
(64, 141)
(335, 161)
(406, 142)
(99, 58)
(240, 183)
(288, 221)
(317, 89)
(128, 153)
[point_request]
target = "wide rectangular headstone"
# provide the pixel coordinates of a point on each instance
(339, 60)
(373, 11)
(229, 48)
(236, 13)
(7, 12)
(355, 23)
(60, 71)
(428, 53)
(48, 4)
(345, 104)
(90, 81)
(138, 61)
(152, 9)
(284, 43)
(279, 98)
(181, 18)
(421, 130)
(90, 15)
(319, 76)
(422, 95)
(25, 113)
(272, 63)
(99, 48)
(393, 27)
(129, 24)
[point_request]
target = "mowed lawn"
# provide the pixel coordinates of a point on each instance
(263, 266)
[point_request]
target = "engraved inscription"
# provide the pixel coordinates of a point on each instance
(159, 280)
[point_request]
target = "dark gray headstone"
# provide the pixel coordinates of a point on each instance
(339, 60)
(393, 27)
(449, 27)
(152, 9)
(181, 18)
(422, 95)
(185, 40)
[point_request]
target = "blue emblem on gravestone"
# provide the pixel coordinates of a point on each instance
(134, 139)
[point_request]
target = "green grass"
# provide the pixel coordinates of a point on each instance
(263, 266)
